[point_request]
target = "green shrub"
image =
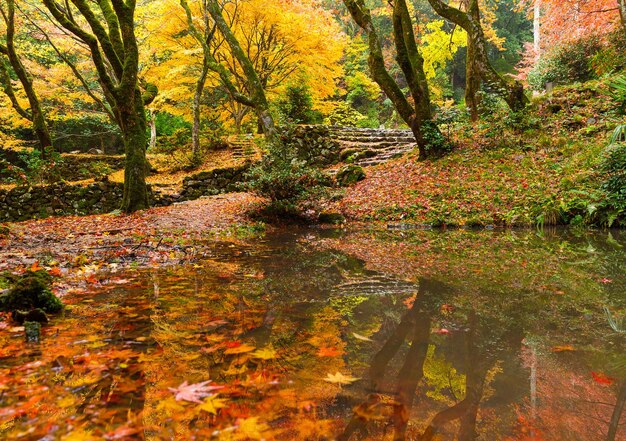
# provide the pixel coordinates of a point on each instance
(40, 170)
(612, 56)
(285, 179)
(613, 167)
(566, 64)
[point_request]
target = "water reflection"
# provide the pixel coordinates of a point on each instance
(361, 336)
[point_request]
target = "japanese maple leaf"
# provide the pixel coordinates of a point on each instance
(194, 392)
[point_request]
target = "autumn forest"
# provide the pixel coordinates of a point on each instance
(313, 220)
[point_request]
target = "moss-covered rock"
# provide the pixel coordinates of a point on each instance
(31, 291)
(349, 175)
(329, 217)
(36, 315)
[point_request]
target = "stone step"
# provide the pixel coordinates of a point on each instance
(379, 145)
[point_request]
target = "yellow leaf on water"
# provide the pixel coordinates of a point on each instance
(563, 348)
(212, 404)
(79, 435)
(266, 353)
(240, 349)
(339, 378)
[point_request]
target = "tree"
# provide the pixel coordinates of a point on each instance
(115, 55)
(257, 98)
(478, 66)
(419, 115)
(35, 114)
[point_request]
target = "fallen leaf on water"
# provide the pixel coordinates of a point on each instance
(563, 348)
(361, 337)
(339, 378)
(194, 392)
(240, 349)
(212, 404)
(266, 353)
(329, 352)
(599, 377)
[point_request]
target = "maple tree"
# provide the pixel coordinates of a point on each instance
(115, 55)
(10, 53)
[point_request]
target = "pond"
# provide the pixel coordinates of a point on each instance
(349, 335)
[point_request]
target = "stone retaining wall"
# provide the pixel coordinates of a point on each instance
(209, 183)
(22, 203)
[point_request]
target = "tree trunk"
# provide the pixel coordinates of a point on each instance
(153, 131)
(537, 28)
(134, 135)
(513, 94)
(617, 412)
(195, 130)
(36, 113)
(472, 81)
(621, 4)
(472, 73)
(417, 116)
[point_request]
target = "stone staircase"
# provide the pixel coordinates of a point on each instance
(367, 147)
(242, 146)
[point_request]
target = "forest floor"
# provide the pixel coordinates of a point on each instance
(535, 168)
(81, 247)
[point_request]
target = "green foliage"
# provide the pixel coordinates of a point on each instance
(284, 178)
(435, 141)
(39, 170)
(297, 106)
(167, 124)
(618, 86)
(611, 57)
(344, 115)
(566, 64)
(613, 168)
(85, 133)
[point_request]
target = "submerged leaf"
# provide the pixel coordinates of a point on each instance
(194, 392)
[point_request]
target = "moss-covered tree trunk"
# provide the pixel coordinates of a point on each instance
(110, 35)
(472, 73)
(197, 96)
(512, 93)
(134, 134)
(419, 115)
(35, 114)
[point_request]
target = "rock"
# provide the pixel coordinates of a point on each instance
(34, 315)
(349, 175)
(328, 217)
(32, 331)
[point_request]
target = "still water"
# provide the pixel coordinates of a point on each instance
(322, 335)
